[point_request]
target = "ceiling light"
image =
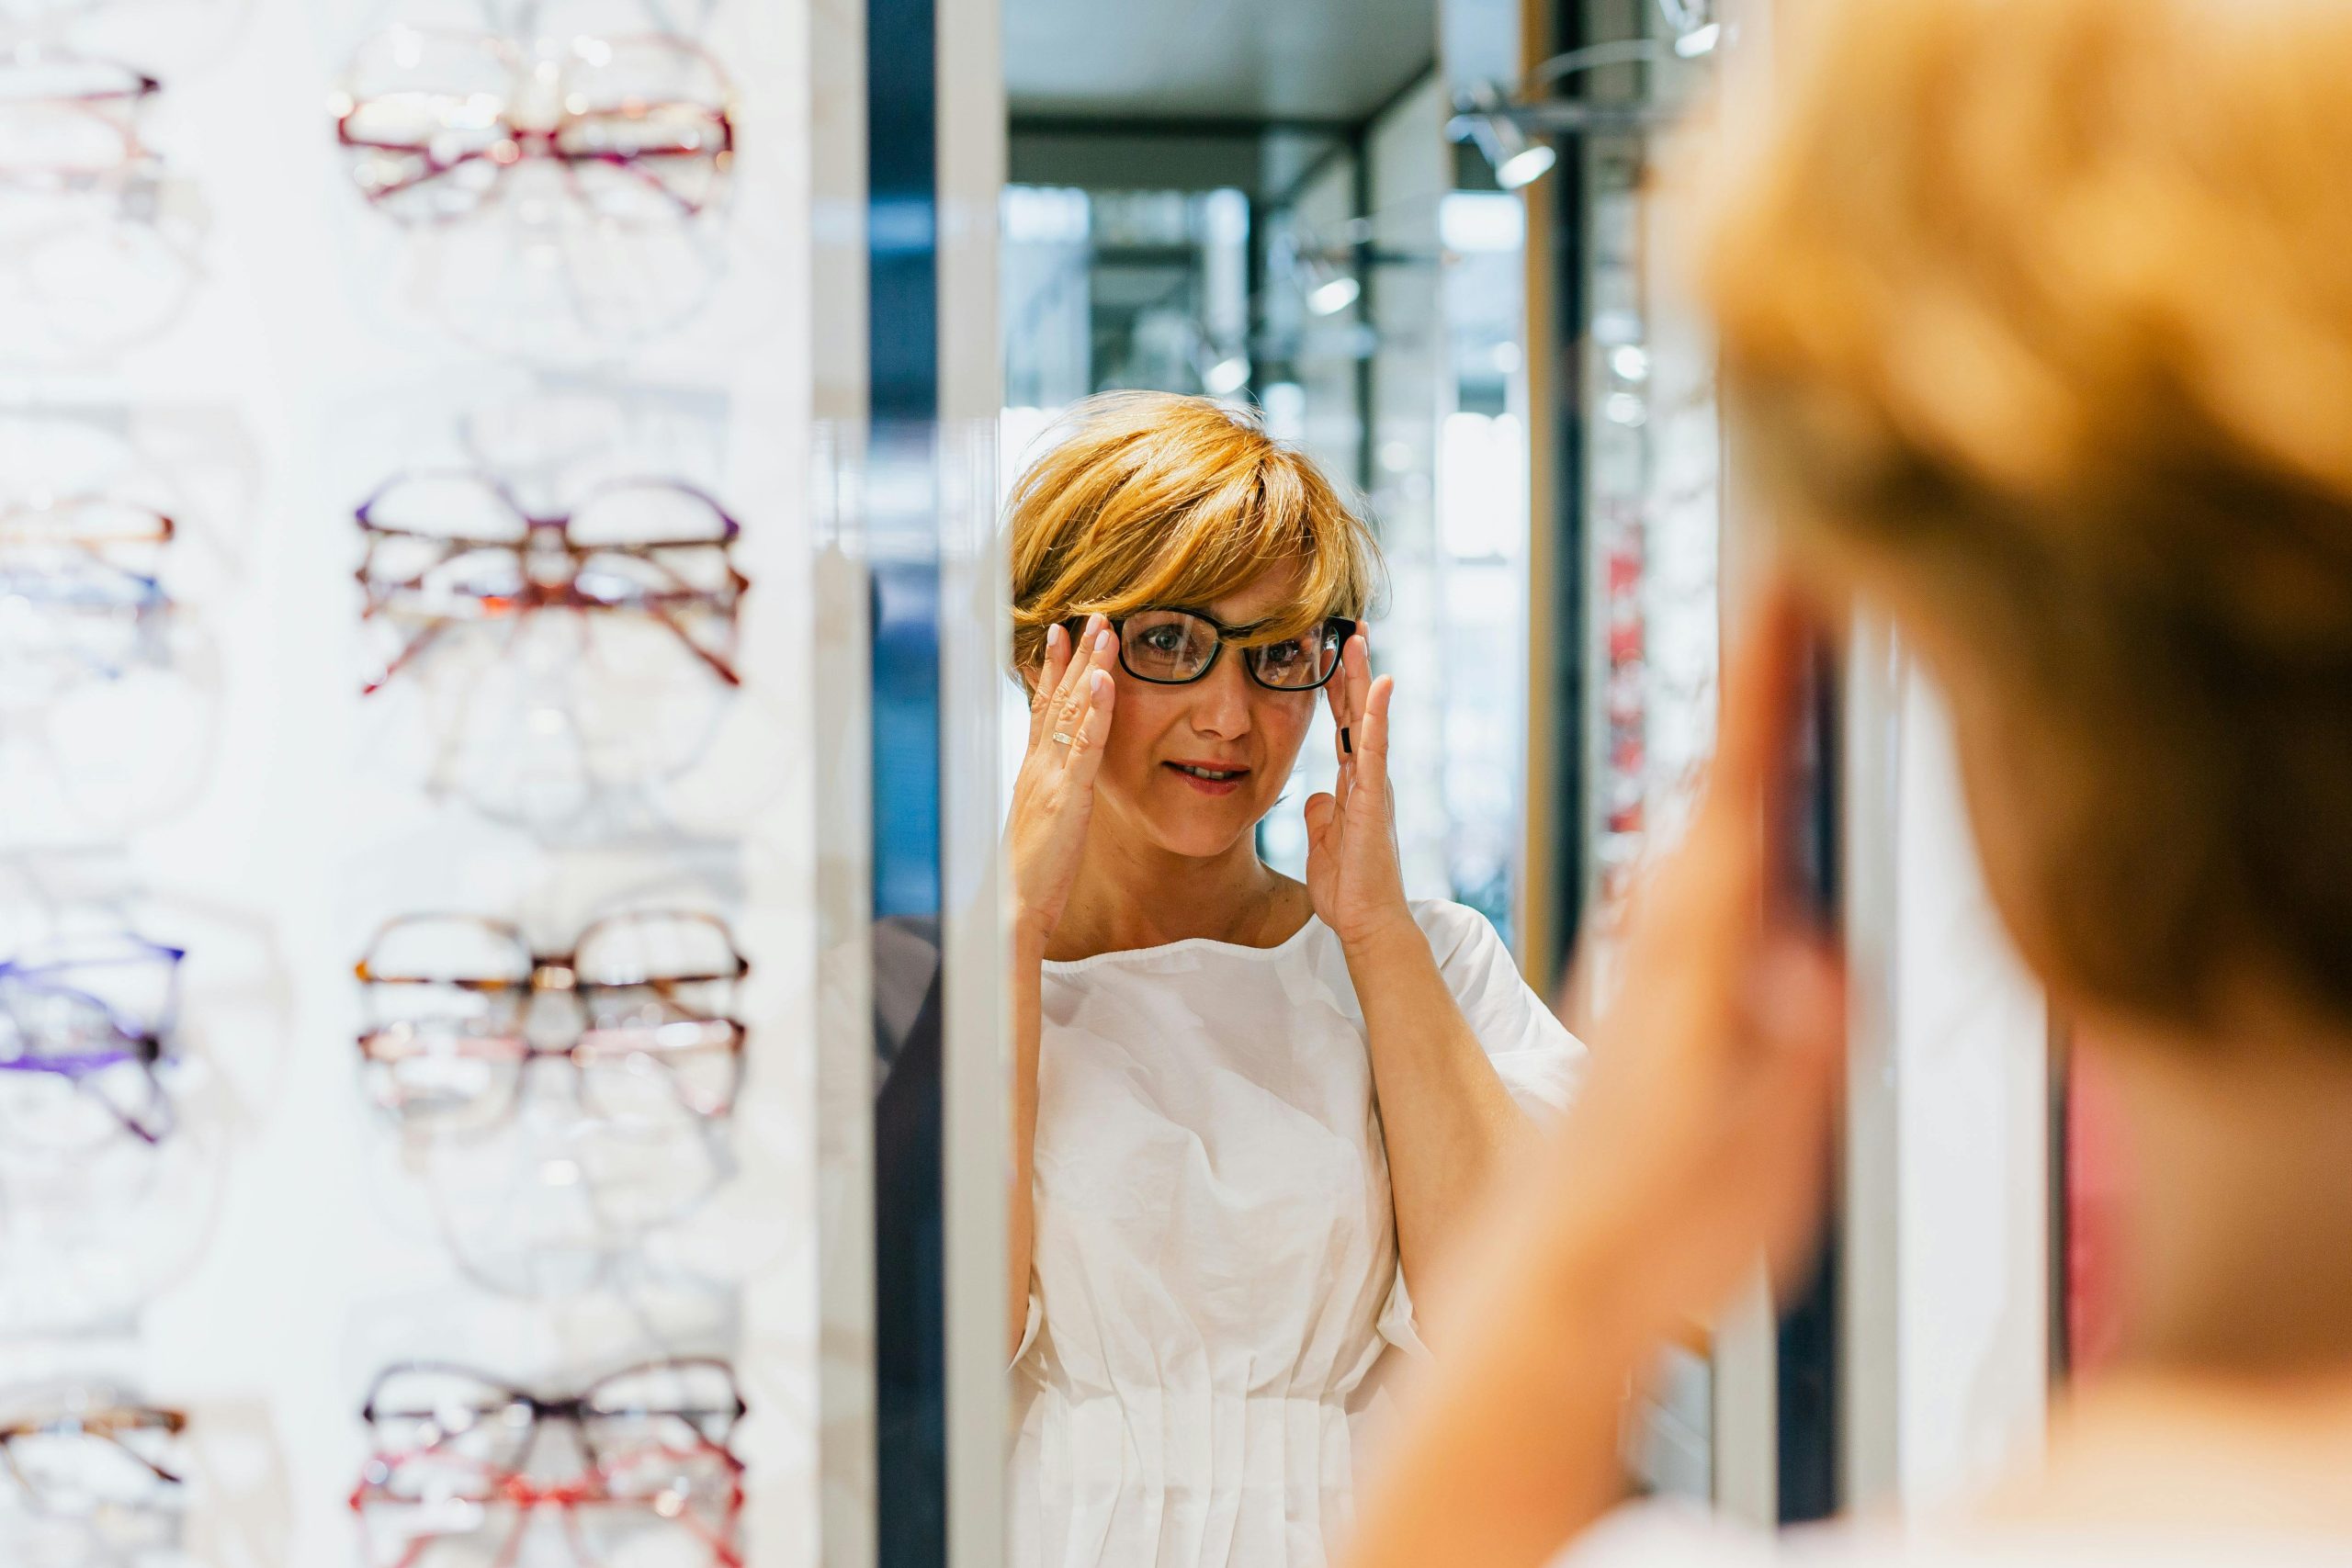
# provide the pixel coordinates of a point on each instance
(1699, 41)
(1517, 162)
(1226, 377)
(1334, 294)
(1525, 167)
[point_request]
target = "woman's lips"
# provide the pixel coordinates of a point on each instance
(1193, 773)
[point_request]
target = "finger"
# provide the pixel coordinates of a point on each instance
(1094, 729)
(1319, 814)
(1356, 659)
(1070, 711)
(1074, 674)
(1048, 680)
(1762, 688)
(1372, 737)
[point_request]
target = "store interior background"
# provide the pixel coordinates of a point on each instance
(1303, 208)
(1430, 241)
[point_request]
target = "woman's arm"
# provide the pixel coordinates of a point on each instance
(1698, 1147)
(1021, 1216)
(1053, 801)
(1445, 1116)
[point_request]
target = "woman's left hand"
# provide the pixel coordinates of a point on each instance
(1353, 875)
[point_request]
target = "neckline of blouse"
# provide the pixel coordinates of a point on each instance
(1079, 965)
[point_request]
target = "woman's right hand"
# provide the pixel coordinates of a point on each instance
(1053, 797)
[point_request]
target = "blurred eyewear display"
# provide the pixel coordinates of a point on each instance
(82, 1026)
(640, 128)
(455, 1021)
(81, 593)
(96, 244)
(452, 550)
(451, 1483)
(82, 1456)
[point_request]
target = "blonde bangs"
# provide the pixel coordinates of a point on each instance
(1159, 500)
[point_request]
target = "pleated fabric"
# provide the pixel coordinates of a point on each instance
(1215, 1298)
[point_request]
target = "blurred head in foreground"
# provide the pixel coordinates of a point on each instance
(2039, 312)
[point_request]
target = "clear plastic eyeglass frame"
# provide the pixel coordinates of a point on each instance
(97, 241)
(455, 1021)
(82, 586)
(87, 1456)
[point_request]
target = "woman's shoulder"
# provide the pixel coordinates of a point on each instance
(1673, 1535)
(1459, 934)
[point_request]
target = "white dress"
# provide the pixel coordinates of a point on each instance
(1215, 1282)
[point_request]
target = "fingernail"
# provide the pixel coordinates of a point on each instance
(1104, 642)
(1054, 635)
(1101, 683)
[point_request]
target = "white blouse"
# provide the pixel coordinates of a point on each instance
(1215, 1280)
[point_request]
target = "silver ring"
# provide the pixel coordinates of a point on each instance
(1061, 738)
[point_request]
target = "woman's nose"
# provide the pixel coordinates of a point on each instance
(1221, 699)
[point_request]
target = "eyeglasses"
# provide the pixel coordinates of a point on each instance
(452, 1025)
(651, 1506)
(671, 1406)
(83, 1025)
(67, 121)
(640, 127)
(1175, 648)
(81, 593)
(112, 1465)
(453, 549)
(97, 242)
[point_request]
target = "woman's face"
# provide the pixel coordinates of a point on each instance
(1164, 738)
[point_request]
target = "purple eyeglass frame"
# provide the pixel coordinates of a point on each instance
(539, 596)
(140, 1044)
(519, 143)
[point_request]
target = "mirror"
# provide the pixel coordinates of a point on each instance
(1293, 877)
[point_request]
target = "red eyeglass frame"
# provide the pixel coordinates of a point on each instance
(521, 141)
(127, 99)
(525, 1495)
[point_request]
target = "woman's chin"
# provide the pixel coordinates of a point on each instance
(1206, 830)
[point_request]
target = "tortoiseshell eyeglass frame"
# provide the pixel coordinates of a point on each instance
(540, 536)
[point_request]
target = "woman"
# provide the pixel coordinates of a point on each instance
(1250, 1111)
(2036, 314)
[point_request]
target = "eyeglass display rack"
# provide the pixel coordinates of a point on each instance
(405, 860)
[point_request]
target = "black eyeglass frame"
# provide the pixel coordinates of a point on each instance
(578, 1410)
(1345, 627)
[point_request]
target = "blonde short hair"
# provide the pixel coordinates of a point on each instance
(1151, 498)
(2038, 314)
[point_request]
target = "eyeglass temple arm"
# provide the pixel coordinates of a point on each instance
(720, 667)
(405, 657)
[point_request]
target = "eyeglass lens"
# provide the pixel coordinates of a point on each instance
(1173, 647)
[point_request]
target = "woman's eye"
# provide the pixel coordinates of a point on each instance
(1165, 639)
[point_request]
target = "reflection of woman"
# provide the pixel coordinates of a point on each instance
(1250, 1111)
(2038, 313)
